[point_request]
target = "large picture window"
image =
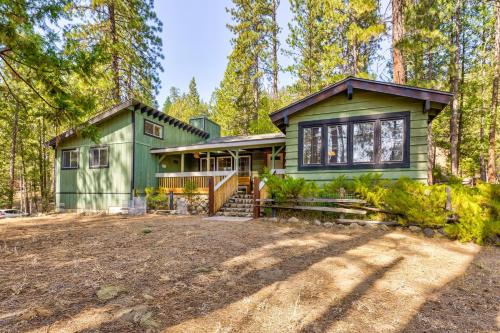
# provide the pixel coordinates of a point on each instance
(153, 129)
(337, 144)
(312, 145)
(378, 141)
(99, 157)
(70, 158)
(363, 142)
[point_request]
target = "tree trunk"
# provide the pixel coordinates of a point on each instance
(454, 80)
(275, 46)
(12, 163)
(494, 100)
(114, 54)
(24, 177)
(398, 72)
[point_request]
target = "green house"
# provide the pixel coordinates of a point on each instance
(349, 128)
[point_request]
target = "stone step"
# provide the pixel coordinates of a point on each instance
(237, 205)
(238, 214)
(228, 209)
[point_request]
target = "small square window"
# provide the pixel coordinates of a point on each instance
(153, 129)
(98, 157)
(70, 159)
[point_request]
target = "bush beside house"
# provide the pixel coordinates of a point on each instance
(474, 214)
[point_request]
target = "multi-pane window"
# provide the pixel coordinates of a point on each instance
(337, 144)
(225, 163)
(312, 141)
(70, 158)
(153, 129)
(363, 142)
(99, 157)
(204, 166)
(377, 141)
(391, 140)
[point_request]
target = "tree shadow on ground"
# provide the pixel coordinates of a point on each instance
(469, 303)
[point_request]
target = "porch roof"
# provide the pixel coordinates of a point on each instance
(227, 142)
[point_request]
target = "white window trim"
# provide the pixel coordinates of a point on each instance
(154, 126)
(99, 166)
(71, 150)
(224, 157)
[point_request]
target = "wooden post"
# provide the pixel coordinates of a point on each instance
(273, 157)
(182, 162)
(208, 161)
(256, 197)
(211, 196)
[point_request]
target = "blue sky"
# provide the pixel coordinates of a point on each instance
(196, 42)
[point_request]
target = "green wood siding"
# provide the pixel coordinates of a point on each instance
(362, 104)
(97, 189)
(146, 164)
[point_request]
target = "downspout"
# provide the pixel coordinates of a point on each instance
(132, 181)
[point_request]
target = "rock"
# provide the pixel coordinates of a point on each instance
(273, 219)
(108, 292)
(441, 231)
(328, 225)
(428, 232)
(383, 227)
(414, 228)
(341, 226)
(148, 297)
(147, 321)
(353, 226)
(293, 220)
(369, 226)
(317, 222)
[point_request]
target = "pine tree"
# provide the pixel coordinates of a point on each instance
(125, 34)
(492, 154)
(398, 72)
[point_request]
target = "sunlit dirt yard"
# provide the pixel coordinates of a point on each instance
(69, 273)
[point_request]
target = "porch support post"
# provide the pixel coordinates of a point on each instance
(272, 158)
(182, 162)
(237, 161)
(208, 161)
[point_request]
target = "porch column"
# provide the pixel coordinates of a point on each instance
(182, 162)
(208, 161)
(237, 161)
(272, 158)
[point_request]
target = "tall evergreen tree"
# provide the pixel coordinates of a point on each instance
(126, 34)
(492, 153)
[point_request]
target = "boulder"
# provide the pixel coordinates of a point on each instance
(328, 225)
(428, 232)
(106, 293)
(317, 222)
(414, 228)
(353, 226)
(273, 219)
(293, 219)
(383, 227)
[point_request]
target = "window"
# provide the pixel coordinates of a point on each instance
(70, 158)
(203, 164)
(363, 142)
(312, 145)
(337, 144)
(99, 157)
(225, 163)
(153, 129)
(391, 137)
(244, 166)
(375, 141)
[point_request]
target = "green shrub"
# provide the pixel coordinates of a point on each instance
(287, 188)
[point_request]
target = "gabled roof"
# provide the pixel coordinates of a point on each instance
(130, 105)
(227, 142)
(439, 98)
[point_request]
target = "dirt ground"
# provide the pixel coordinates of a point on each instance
(68, 273)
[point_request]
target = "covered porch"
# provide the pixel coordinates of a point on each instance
(240, 158)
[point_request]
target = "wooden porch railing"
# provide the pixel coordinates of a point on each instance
(219, 193)
(174, 182)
